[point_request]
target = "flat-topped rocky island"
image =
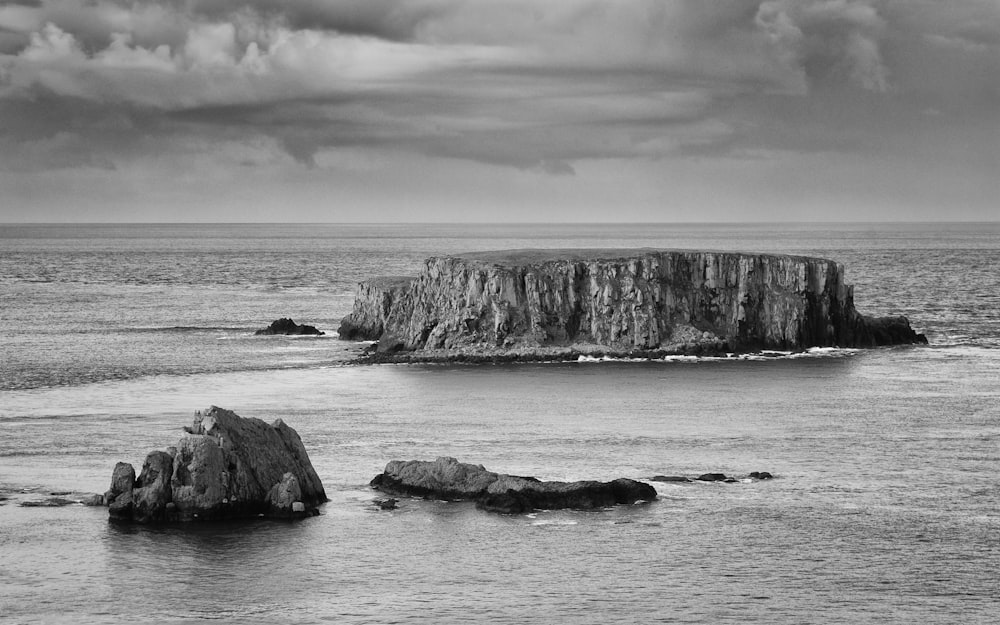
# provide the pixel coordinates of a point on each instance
(537, 304)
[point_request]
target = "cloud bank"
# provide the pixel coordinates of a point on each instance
(536, 86)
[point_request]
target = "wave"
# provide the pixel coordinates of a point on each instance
(79, 377)
(183, 329)
(535, 521)
(812, 352)
(240, 331)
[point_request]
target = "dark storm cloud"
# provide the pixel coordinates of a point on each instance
(520, 83)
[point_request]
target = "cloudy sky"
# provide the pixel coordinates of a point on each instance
(499, 110)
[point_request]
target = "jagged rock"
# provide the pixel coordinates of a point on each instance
(386, 504)
(625, 301)
(448, 479)
(150, 499)
(119, 497)
(284, 495)
(226, 467)
(287, 326)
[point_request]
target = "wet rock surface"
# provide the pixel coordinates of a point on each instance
(450, 480)
(547, 304)
(225, 467)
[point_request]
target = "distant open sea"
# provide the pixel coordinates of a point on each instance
(885, 507)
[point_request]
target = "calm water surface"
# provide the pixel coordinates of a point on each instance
(884, 509)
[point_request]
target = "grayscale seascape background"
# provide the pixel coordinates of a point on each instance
(884, 509)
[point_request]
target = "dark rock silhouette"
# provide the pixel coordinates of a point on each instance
(288, 327)
(448, 479)
(712, 477)
(226, 467)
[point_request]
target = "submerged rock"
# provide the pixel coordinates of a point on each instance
(386, 504)
(226, 467)
(520, 303)
(670, 478)
(450, 480)
(61, 499)
(712, 477)
(289, 327)
(51, 502)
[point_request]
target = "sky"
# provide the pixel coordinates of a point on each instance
(499, 110)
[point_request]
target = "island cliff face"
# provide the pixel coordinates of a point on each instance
(623, 300)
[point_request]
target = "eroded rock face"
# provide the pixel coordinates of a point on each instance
(451, 480)
(626, 300)
(377, 295)
(226, 467)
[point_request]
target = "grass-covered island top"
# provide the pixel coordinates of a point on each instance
(536, 256)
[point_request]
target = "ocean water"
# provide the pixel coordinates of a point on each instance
(885, 507)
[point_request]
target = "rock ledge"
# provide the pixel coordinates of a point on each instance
(450, 480)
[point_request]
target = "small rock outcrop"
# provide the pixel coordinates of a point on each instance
(617, 301)
(712, 477)
(226, 467)
(451, 480)
(288, 327)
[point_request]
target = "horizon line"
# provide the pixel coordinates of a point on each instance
(501, 223)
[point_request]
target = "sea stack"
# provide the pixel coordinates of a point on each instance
(226, 467)
(288, 327)
(617, 302)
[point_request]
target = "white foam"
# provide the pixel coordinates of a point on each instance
(553, 522)
(764, 355)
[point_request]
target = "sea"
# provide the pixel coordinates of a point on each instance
(884, 507)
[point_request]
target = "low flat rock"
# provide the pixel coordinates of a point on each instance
(713, 477)
(450, 480)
